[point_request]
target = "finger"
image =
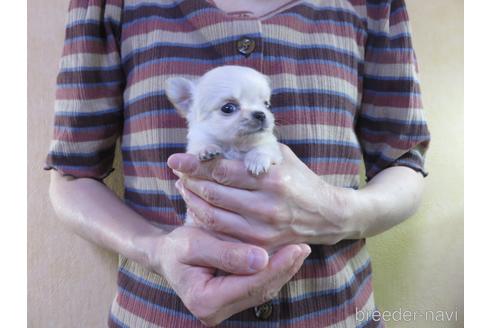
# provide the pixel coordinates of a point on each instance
(236, 258)
(226, 172)
(236, 200)
(183, 162)
(242, 292)
(225, 222)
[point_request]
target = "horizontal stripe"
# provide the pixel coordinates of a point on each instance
(129, 290)
(85, 134)
(99, 171)
(135, 41)
(89, 29)
(79, 60)
(402, 123)
(396, 69)
(139, 70)
(345, 84)
(274, 68)
(87, 107)
(391, 84)
(306, 10)
(88, 121)
(157, 209)
(157, 216)
(273, 50)
(81, 146)
(84, 94)
(91, 69)
(315, 40)
(81, 159)
(382, 113)
(84, 80)
(312, 131)
(92, 10)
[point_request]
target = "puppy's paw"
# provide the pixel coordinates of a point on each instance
(210, 152)
(257, 163)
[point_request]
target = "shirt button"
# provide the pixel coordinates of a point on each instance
(264, 311)
(246, 46)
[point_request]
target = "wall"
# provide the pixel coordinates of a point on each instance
(70, 282)
(418, 266)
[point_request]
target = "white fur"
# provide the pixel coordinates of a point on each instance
(212, 133)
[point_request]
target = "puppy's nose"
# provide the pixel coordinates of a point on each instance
(260, 116)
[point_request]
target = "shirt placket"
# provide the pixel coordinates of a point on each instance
(248, 50)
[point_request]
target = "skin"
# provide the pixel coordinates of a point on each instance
(285, 217)
(186, 256)
(290, 203)
(256, 7)
(293, 206)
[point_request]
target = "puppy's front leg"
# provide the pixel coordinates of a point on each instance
(205, 152)
(209, 152)
(259, 159)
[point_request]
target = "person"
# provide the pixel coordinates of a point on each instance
(345, 91)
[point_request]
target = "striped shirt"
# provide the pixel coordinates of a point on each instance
(345, 92)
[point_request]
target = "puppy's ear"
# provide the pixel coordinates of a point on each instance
(180, 92)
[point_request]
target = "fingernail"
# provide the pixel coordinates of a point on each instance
(306, 250)
(257, 259)
(173, 162)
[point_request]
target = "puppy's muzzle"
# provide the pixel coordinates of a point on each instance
(260, 116)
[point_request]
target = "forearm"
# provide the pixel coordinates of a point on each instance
(388, 199)
(95, 213)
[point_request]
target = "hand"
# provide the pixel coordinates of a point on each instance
(188, 258)
(287, 205)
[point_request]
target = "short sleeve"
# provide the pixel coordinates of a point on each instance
(391, 126)
(88, 105)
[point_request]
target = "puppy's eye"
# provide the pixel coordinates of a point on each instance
(268, 105)
(229, 108)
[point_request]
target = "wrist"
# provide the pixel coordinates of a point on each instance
(355, 213)
(148, 248)
(368, 210)
(339, 215)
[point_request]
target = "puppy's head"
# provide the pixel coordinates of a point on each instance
(229, 102)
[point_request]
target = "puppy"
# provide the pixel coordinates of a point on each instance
(228, 114)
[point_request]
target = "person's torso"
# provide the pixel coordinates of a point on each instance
(313, 53)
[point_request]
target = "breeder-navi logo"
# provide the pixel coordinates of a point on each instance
(400, 315)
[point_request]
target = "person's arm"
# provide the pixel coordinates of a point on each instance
(187, 257)
(90, 209)
(88, 120)
(392, 196)
(291, 203)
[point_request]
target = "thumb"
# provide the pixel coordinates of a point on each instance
(236, 258)
(237, 293)
(185, 163)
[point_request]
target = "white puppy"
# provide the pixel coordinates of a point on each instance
(228, 114)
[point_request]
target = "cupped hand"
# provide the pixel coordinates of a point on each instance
(188, 258)
(289, 204)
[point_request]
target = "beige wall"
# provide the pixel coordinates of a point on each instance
(418, 266)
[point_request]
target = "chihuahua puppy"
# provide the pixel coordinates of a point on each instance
(228, 114)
